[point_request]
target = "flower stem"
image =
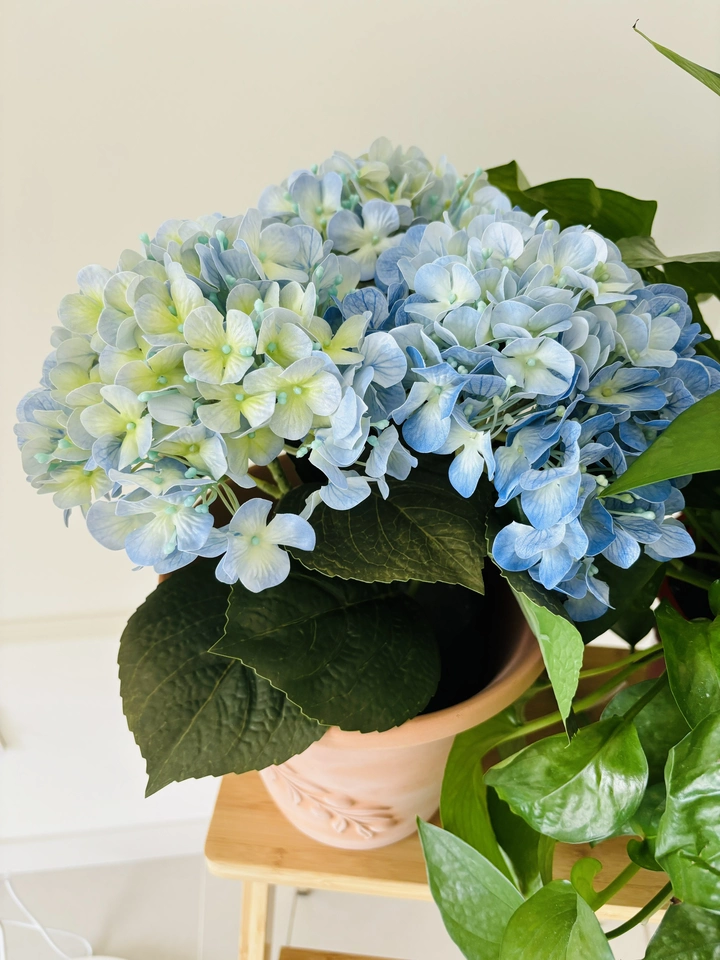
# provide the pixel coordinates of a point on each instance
(270, 488)
(701, 555)
(640, 658)
(278, 475)
(681, 571)
(647, 911)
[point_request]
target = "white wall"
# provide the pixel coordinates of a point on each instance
(120, 113)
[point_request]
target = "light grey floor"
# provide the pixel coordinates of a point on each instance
(173, 910)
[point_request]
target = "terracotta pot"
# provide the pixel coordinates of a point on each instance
(365, 790)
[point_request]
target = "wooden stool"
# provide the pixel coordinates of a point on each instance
(250, 840)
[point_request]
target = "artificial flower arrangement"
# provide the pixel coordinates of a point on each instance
(324, 416)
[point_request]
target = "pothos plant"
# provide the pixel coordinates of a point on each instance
(648, 768)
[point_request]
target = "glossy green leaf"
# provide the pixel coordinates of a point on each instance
(475, 900)
(356, 655)
(692, 656)
(686, 933)
(688, 445)
(463, 801)
(555, 924)
(688, 840)
(194, 714)
(660, 724)
(423, 531)
(632, 592)
(708, 77)
(577, 200)
(580, 791)
(582, 877)
(523, 846)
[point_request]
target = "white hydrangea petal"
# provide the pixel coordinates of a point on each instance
(291, 531)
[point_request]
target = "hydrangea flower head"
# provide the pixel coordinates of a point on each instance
(368, 310)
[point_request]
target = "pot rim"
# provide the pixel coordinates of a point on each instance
(523, 665)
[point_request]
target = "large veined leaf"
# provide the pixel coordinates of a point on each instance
(194, 714)
(423, 531)
(660, 724)
(463, 801)
(555, 924)
(475, 900)
(708, 77)
(576, 792)
(686, 933)
(577, 200)
(356, 655)
(688, 840)
(692, 655)
(639, 252)
(688, 445)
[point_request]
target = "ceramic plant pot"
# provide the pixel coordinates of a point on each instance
(365, 790)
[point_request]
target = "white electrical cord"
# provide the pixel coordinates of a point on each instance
(33, 924)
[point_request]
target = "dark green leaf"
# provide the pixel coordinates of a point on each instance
(688, 840)
(708, 77)
(575, 201)
(645, 822)
(555, 924)
(475, 900)
(580, 791)
(356, 655)
(463, 801)
(639, 252)
(632, 592)
(521, 843)
(660, 725)
(423, 531)
(194, 714)
(692, 655)
(688, 445)
(686, 933)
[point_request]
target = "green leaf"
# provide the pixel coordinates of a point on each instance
(688, 445)
(523, 846)
(574, 201)
(475, 900)
(463, 801)
(582, 876)
(686, 933)
(639, 252)
(194, 714)
(708, 77)
(688, 840)
(576, 792)
(645, 823)
(660, 725)
(555, 924)
(692, 656)
(632, 592)
(423, 531)
(559, 639)
(356, 655)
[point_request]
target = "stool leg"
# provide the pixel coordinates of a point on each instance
(256, 921)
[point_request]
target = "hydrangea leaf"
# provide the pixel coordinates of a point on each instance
(692, 655)
(660, 725)
(194, 714)
(423, 531)
(686, 933)
(688, 445)
(577, 200)
(463, 801)
(576, 792)
(708, 77)
(359, 656)
(688, 841)
(475, 900)
(555, 924)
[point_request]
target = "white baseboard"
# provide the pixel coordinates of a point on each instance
(141, 842)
